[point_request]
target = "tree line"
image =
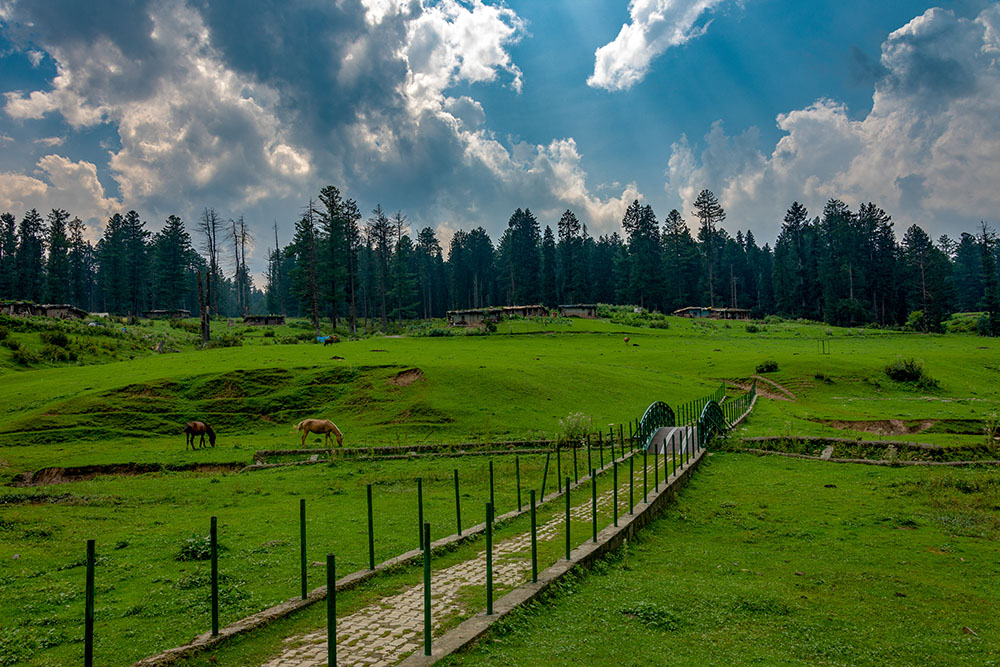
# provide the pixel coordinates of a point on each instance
(842, 267)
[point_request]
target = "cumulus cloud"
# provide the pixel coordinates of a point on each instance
(58, 183)
(656, 25)
(218, 106)
(928, 152)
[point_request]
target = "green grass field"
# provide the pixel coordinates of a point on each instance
(783, 561)
(125, 403)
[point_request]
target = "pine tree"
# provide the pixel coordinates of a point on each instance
(524, 257)
(334, 257)
(548, 287)
(925, 276)
(29, 265)
(710, 215)
(570, 282)
(430, 270)
(967, 274)
(57, 269)
(991, 283)
(681, 263)
(380, 240)
(645, 264)
(81, 267)
(8, 250)
(172, 264)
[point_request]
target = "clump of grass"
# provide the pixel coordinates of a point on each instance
(654, 616)
(196, 547)
(910, 371)
(769, 366)
(575, 427)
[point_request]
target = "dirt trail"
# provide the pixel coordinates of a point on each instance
(765, 387)
(882, 426)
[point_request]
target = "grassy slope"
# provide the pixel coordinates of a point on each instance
(475, 388)
(886, 566)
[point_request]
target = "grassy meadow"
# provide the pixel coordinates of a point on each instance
(111, 398)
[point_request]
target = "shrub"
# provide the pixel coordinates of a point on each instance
(769, 366)
(54, 353)
(24, 356)
(185, 325)
(773, 319)
(752, 328)
(269, 333)
(196, 547)
(910, 370)
(56, 338)
(10, 344)
(4, 332)
(225, 340)
(575, 427)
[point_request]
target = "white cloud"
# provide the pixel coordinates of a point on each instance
(928, 152)
(58, 183)
(51, 142)
(36, 57)
(656, 25)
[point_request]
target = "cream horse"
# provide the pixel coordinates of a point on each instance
(325, 426)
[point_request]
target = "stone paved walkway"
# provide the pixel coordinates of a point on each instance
(386, 632)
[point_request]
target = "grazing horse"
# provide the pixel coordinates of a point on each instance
(325, 426)
(198, 428)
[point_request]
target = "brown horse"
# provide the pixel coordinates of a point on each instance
(325, 426)
(198, 428)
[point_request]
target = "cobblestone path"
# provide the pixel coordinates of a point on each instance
(386, 632)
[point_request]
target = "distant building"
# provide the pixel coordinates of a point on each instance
(713, 313)
(475, 317)
(62, 311)
(588, 310)
(264, 320)
(179, 313)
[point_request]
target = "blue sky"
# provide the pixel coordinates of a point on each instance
(456, 112)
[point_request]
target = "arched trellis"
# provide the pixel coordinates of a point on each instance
(712, 421)
(657, 415)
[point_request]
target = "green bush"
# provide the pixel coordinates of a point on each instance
(55, 338)
(24, 356)
(4, 332)
(752, 328)
(185, 325)
(910, 371)
(10, 344)
(54, 353)
(269, 333)
(196, 547)
(769, 366)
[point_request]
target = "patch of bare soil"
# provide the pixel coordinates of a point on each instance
(882, 426)
(47, 476)
(406, 378)
(766, 388)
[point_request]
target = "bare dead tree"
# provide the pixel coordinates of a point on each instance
(209, 225)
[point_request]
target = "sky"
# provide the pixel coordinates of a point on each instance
(456, 112)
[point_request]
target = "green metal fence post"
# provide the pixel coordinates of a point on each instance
(489, 559)
(645, 475)
(590, 466)
(545, 475)
(427, 588)
(593, 502)
(302, 544)
(420, 511)
(600, 445)
(568, 549)
(576, 470)
(88, 608)
(614, 493)
(656, 469)
(611, 439)
(331, 607)
(458, 506)
(213, 536)
(631, 484)
(371, 532)
(621, 439)
(534, 542)
(492, 499)
(673, 450)
(517, 474)
(558, 463)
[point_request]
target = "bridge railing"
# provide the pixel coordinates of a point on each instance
(706, 417)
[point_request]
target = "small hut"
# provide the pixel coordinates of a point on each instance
(264, 320)
(588, 310)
